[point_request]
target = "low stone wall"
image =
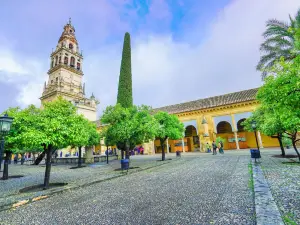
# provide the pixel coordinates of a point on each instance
(74, 160)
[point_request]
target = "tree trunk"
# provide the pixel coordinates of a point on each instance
(79, 157)
(122, 154)
(5, 170)
(295, 147)
(279, 137)
(39, 158)
(127, 150)
(106, 154)
(163, 154)
(48, 167)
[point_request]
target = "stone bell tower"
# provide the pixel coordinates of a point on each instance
(65, 75)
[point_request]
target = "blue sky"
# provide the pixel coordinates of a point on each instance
(181, 49)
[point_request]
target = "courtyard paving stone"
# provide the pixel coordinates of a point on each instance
(284, 183)
(197, 189)
(34, 175)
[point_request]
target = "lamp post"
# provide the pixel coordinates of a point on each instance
(253, 125)
(5, 123)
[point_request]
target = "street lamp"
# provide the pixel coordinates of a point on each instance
(253, 125)
(5, 123)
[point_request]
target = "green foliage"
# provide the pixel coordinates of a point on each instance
(220, 139)
(22, 120)
(280, 41)
(169, 126)
(94, 136)
(125, 81)
(53, 126)
(108, 137)
(134, 125)
(79, 135)
(286, 141)
(251, 181)
(281, 95)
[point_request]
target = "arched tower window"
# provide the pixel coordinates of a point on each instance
(224, 127)
(71, 46)
(72, 62)
(59, 61)
(52, 63)
(66, 60)
(56, 60)
(78, 66)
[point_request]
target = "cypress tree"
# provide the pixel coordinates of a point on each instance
(125, 79)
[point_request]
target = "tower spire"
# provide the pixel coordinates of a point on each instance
(70, 20)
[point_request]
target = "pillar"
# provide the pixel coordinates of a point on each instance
(236, 140)
(167, 145)
(235, 131)
(89, 157)
(259, 140)
(182, 141)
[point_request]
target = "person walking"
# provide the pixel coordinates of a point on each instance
(208, 148)
(221, 150)
(214, 147)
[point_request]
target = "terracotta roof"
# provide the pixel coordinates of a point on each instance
(227, 99)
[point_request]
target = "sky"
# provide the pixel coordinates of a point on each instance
(182, 50)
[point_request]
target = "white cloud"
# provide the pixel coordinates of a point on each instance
(168, 72)
(25, 75)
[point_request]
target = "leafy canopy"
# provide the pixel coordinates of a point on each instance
(22, 121)
(134, 125)
(168, 126)
(53, 125)
(280, 41)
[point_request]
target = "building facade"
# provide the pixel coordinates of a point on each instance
(65, 75)
(207, 119)
(220, 116)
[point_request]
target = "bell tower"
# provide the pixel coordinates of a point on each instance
(65, 75)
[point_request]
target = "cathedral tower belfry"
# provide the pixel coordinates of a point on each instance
(65, 75)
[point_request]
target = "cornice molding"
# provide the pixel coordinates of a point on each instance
(217, 108)
(60, 66)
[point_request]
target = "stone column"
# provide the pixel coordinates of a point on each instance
(236, 140)
(235, 131)
(89, 157)
(259, 140)
(167, 146)
(182, 141)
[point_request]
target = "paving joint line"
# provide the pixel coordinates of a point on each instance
(267, 212)
(28, 200)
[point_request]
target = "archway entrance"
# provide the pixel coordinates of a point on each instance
(191, 139)
(224, 130)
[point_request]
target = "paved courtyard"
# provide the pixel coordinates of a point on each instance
(197, 189)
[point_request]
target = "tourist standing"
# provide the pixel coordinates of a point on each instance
(214, 147)
(221, 147)
(208, 148)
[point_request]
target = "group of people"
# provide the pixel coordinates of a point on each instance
(138, 150)
(215, 147)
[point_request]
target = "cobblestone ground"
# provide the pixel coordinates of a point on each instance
(284, 182)
(33, 175)
(197, 189)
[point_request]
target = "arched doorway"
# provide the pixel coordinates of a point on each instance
(224, 130)
(191, 139)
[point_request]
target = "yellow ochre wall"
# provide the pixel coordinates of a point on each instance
(232, 109)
